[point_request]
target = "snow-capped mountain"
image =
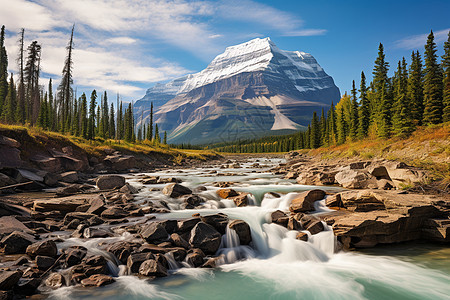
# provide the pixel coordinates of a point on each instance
(250, 90)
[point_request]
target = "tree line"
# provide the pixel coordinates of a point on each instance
(416, 95)
(29, 103)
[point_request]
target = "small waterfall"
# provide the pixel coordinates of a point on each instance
(232, 250)
(173, 264)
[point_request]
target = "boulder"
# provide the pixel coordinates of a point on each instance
(195, 258)
(114, 213)
(91, 233)
(218, 221)
(315, 227)
(175, 190)
(9, 142)
(44, 262)
(241, 200)
(47, 163)
(305, 201)
(8, 279)
(44, 248)
(154, 232)
(27, 286)
(109, 182)
(214, 262)
(135, 260)
(293, 224)
(9, 224)
(97, 206)
(16, 242)
(55, 280)
(302, 236)
(355, 179)
(119, 162)
(205, 237)
(191, 201)
(188, 224)
(82, 216)
(152, 267)
(334, 201)
(97, 280)
(122, 250)
(280, 218)
(74, 255)
(6, 180)
(69, 177)
(291, 175)
(61, 205)
(243, 231)
(226, 193)
(178, 241)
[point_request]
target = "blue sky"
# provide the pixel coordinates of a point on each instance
(127, 46)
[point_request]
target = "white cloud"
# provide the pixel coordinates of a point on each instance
(112, 36)
(419, 41)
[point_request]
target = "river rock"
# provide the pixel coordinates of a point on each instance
(122, 250)
(191, 201)
(55, 280)
(44, 262)
(120, 162)
(114, 213)
(97, 206)
(334, 201)
(187, 225)
(74, 255)
(97, 280)
(293, 224)
(152, 267)
(280, 218)
(355, 179)
(69, 177)
(241, 200)
(109, 182)
(302, 236)
(214, 262)
(62, 205)
(315, 227)
(6, 180)
(195, 258)
(77, 215)
(305, 201)
(243, 231)
(175, 190)
(154, 232)
(226, 193)
(44, 248)
(16, 242)
(218, 221)
(178, 241)
(205, 237)
(8, 224)
(27, 286)
(8, 279)
(134, 261)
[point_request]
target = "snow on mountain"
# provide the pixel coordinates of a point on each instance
(256, 77)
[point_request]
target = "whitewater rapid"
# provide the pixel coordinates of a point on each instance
(276, 266)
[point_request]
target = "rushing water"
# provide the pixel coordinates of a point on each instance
(277, 266)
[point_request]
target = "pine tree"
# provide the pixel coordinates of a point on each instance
(379, 88)
(363, 112)
(76, 119)
(415, 88)
(112, 124)
(353, 132)
(120, 125)
(84, 116)
(446, 68)
(433, 87)
(165, 138)
(65, 91)
(99, 118)
(150, 124)
(20, 113)
(323, 129)
(402, 123)
(315, 132)
(51, 108)
(91, 120)
(341, 126)
(3, 70)
(41, 120)
(157, 137)
(332, 125)
(10, 101)
(32, 73)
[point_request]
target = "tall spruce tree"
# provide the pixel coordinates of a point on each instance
(353, 131)
(315, 132)
(446, 68)
(20, 113)
(402, 123)
(341, 126)
(84, 116)
(120, 123)
(379, 88)
(433, 87)
(32, 73)
(112, 123)
(91, 120)
(7, 114)
(65, 90)
(364, 112)
(165, 138)
(332, 125)
(323, 129)
(150, 124)
(415, 88)
(3, 70)
(157, 136)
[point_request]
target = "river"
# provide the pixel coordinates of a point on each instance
(277, 266)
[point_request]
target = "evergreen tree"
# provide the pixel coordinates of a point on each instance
(415, 88)
(51, 109)
(91, 120)
(150, 124)
(10, 101)
(157, 137)
(323, 129)
(341, 126)
(76, 119)
(353, 114)
(446, 68)
(65, 91)
(384, 123)
(120, 125)
(20, 113)
(402, 123)
(433, 87)
(3, 70)
(332, 125)
(315, 132)
(42, 116)
(379, 88)
(112, 124)
(32, 73)
(165, 138)
(99, 118)
(364, 113)
(84, 116)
